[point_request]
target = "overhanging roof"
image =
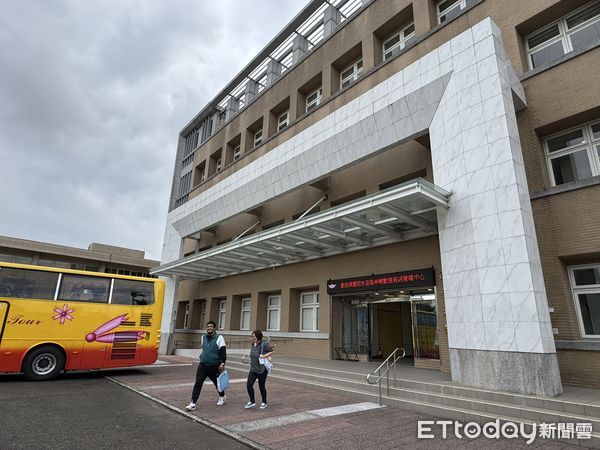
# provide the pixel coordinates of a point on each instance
(401, 213)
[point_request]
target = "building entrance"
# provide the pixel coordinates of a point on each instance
(380, 313)
(375, 324)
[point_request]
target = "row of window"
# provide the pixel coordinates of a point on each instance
(21, 259)
(42, 285)
(393, 45)
(308, 312)
(574, 31)
(584, 280)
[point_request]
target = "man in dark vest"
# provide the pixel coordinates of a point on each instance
(212, 362)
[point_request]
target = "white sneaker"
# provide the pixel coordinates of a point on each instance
(221, 401)
(263, 405)
(249, 405)
(191, 406)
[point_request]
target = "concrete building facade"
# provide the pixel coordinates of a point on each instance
(392, 174)
(96, 258)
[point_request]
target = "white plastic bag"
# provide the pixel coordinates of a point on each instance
(223, 381)
(267, 363)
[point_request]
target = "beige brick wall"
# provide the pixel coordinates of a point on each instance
(568, 230)
(579, 368)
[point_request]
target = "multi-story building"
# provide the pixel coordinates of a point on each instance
(97, 257)
(419, 174)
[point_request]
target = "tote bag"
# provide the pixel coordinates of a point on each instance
(265, 361)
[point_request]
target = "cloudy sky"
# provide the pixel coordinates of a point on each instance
(93, 95)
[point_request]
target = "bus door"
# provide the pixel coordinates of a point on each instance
(3, 316)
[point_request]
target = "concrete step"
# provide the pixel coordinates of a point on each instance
(452, 390)
(422, 397)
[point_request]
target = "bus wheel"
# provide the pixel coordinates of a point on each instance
(43, 363)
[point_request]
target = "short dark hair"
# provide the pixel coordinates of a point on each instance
(258, 334)
(210, 322)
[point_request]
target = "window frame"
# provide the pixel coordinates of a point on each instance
(283, 124)
(258, 135)
(402, 40)
(591, 146)
(564, 35)
(356, 73)
(222, 314)
(462, 4)
(270, 309)
(245, 310)
(117, 281)
(587, 289)
(314, 306)
(67, 276)
(237, 152)
(51, 290)
(310, 105)
(187, 316)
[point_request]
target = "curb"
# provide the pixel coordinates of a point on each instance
(213, 426)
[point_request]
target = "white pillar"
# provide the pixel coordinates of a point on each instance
(499, 329)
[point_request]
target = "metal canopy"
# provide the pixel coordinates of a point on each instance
(400, 213)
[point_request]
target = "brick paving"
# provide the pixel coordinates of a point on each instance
(380, 428)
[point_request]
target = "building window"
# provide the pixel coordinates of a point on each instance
(449, 9)
(219, 164)
(273, 306)
(186, 317)
(395, 44)
(574, 155)
(237, 152)
(351, 73)
(313, 99)
(309, 311)
(283, 121)
(16, 259)
(575, 31)
(222, 314)
(585, 281)
(245, 315)
(184, 184)
(257, 138)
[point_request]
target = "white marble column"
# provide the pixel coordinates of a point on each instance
(168, 315)
(499, 328)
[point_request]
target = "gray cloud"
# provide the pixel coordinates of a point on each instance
(92, 97)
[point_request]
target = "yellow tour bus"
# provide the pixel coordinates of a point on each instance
(54, 320)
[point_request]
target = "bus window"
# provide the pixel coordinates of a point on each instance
(21, 283)
(130, 292)
(84, 288)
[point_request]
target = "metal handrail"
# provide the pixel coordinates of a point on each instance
(395, 358)
(246, 357)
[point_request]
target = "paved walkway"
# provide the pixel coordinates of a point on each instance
(297, 417)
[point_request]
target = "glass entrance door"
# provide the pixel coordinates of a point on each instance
(424, 315)
(355, 326)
